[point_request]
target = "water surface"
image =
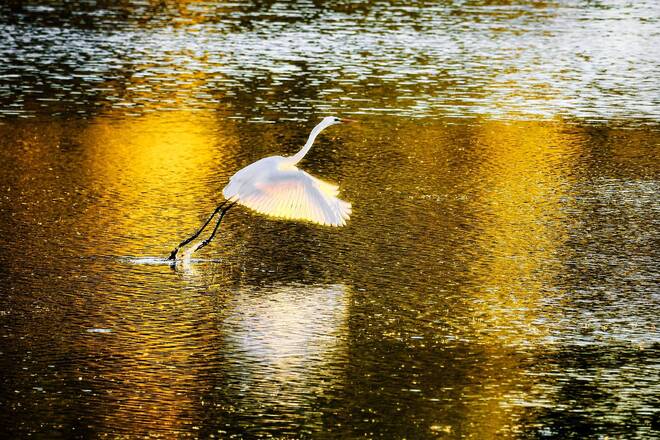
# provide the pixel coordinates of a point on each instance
(498, 277)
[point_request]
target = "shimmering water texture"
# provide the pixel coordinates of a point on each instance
(498, 277)
(522, 59)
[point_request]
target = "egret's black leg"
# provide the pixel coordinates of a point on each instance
(196, 234)
(215, 230)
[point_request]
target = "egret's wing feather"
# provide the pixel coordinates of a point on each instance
(294, 194)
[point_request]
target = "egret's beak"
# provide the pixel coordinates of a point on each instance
(346, 120)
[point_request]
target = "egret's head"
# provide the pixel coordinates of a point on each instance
(332, 120)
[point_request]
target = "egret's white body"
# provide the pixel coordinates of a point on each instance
(275, 186)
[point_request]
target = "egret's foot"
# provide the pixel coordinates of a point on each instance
(172, 256)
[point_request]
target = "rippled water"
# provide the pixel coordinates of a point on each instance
(263, 60)
(498, 277)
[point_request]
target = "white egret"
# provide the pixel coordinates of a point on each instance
(276, 187)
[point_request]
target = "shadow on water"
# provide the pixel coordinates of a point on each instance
(498, 277)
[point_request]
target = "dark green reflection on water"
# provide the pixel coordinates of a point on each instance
(496, 279)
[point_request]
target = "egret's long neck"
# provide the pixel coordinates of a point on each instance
(312, 136)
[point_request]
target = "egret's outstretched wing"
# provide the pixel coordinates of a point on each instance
(292, 194)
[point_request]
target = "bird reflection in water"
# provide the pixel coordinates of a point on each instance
(285, 345)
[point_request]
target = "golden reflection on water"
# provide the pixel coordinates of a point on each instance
(152, 174)
(484, 208)
(519, 235)
(155, 172)
(459, 237)
(521, 226)
(149, 174)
